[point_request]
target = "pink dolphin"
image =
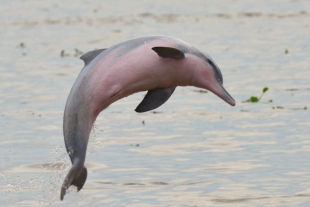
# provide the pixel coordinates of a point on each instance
(156, 63)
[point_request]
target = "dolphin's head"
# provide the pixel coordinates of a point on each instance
(207, 75)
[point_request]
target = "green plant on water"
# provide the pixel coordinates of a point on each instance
(255, 99)
(63, 53)
(22, 45)
(78, 52)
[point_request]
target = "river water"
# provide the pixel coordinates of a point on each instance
(195, 150)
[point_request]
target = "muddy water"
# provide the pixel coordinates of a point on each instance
(195, 150)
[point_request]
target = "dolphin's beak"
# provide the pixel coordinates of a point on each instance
(218, 89)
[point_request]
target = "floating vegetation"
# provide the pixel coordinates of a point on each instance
(63, 53)
(278, 107)
(286, 51)
(77, 52)
(302, 108)
(22, 45)
(201, 91)
(292, 89)
(255, 99)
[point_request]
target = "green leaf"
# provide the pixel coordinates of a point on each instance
(254, 99)
(265, 89)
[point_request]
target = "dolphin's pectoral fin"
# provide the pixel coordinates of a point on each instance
(154, 98)
(74, 177)
(169, 52)
(89, 56)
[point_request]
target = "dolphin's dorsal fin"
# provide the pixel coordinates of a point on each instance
(89, 56)
(154, 99)
(169, 52)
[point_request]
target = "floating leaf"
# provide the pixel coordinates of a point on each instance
(286, 51)
(22, 45)
(265, 89)
(254, 99)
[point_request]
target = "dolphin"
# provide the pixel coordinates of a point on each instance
(157, 64)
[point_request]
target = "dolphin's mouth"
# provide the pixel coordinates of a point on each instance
(227, 97)
(219, 90)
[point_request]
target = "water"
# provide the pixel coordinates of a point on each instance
(197, 150)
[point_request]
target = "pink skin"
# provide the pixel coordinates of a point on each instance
(110, 77)
(146, 73)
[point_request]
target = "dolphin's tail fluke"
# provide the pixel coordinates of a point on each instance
(77, 177)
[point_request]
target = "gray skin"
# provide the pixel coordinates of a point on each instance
(157, 64)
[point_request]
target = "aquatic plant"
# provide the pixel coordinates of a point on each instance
(63, 53)
(22, 45)
(78, 52)
(255, 99)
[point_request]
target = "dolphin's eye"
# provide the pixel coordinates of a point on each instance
(211, 63)
(217, 71)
